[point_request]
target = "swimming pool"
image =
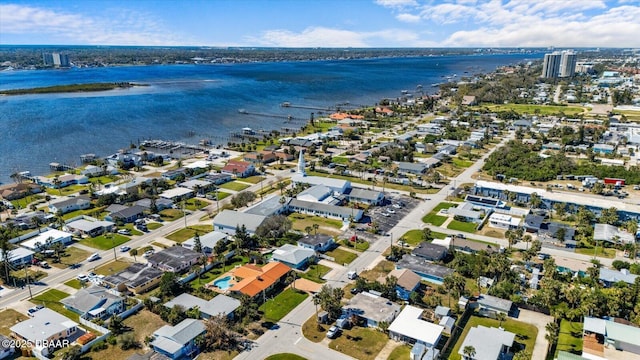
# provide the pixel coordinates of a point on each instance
(224, 283)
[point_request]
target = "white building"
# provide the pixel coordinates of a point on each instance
(410, 328)
(47, 238)
(502, 221)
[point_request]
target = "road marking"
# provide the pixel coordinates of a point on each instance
(297, 341)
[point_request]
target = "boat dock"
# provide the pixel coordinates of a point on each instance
(285, 117)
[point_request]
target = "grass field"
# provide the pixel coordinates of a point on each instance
(358, 246)
(401, 352)
(65, 190)
(253, 179)
(171, 214)
(536, 109)
(360, 343)
(74, 283)
(195, 204)
(341, 256)
(315, 273)
(312, 331)
(276, 308)
(329, 226)
(72, 255)
(183, 235)
(461, 163)
(433, 218)
(153, 225)
(8, 318)
(412, 237)
(25, 201)
(51, 299)
(468, 227)
(570, 337)
(234, 185)
(105, 242)
(112, 267)
(607, 253)
(525, 333)
(285, 356)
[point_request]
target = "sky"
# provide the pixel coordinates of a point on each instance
(323, 23)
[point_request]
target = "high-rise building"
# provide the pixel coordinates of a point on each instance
(551, 65)
(568, 63)
(47, 59)
(55, 59)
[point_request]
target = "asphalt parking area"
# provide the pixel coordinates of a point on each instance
(388, 215)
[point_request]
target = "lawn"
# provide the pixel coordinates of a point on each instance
(105, 242)
(65, 190)
(8, 318)
(301, 221)
(461, 163)
(536, 109)
(312, 331)
(253, 179)
(112, 267)
(171, 214)
(462, 226)
(74, 283)
(608, 253)
(412, 237)
(360, 343)
(315, 273)
(401, 352)
(131, 228)
(341, 256)
(358, 246)
(221, 194)
(570, 337)
(25, 201)
(382, 269)
(525, 333)
(153, 226)
(278, 307)
(234, 185)
(183, 235)
(433, 218)
(51, 299)
(97, 213)
(71, 255)
(205, 278)
(285, 356)
(195, 204)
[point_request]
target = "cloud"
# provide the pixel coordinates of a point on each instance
(115, 27)
(396, 3)
(408, 18)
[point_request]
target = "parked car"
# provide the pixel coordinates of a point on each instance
(397, 206)
(355, 291)
(34, 309)
(402, 243)
(352, 275)
(543, 256)
(44, 265)
(461, 236)
(124, 232)
(385, 214)
(333, 332)
(148, 253)
(74, 266)
(82, 277)
(391, 211)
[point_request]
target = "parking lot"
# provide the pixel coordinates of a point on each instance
(388, 216)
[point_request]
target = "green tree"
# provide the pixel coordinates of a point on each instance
(427, 234)
(134, 253)
(330, 299)
(469, 352)
(197, 245)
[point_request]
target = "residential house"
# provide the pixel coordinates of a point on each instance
(174, 174)
(611, 234)
(47, 239)
(263, 157)
(62, 180)
(409, 327)
(489, 343)
(208, 241)
(94, 302)
(610, 277)
(253, 281)
(218, 178)
(325, 210)
(624, 338)
(69, 205)
(407, 282)
(317, 242)
(427, 270)
(473, 247)
(240, 169)
(274, 205)
(19, 190)
(227, 221)
(429, 251)
(467, 212)
(372, 309)
(503, 221)
(411, 168)
(177, 194)
(491, 304)
(219, 305)
(178, 342)
(197, 185)
(18, 257)
(533, 223)
(552, 230)
(366, 196)
(85, 227)
(176, 259)
(137, 278)
(45, 327)
(296, 257)
(161, 204)
(6, 347)
(603, 148)
(127, 214)
(469, 100)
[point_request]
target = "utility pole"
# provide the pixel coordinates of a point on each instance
(115, 256)
(26, 275)
(184, 212)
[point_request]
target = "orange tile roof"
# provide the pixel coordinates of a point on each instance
(256, 279)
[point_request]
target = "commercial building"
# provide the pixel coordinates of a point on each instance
(551, 65)
(568, 63)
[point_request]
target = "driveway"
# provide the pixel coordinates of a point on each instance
(539, 321)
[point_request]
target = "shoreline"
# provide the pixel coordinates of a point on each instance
(71, 88)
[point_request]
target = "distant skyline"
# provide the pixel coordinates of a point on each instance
(323, 23)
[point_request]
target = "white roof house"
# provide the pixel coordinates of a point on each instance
(337, 185)
(227, 221)
(208, 241)
(409, 327)
(503, 221)
(45, 325)
(176, 193)
(609, 233)
(51, 236)
(489, 343)
(292, 255)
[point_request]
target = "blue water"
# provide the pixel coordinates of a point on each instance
(193, 102)
(224, 283)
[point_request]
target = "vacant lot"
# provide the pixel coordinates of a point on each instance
(112, 267)
(8, 318)
(234, 185)
(315, 273)
(74, 283)
(433, 218)
(170, 214)
(153, 226)
(195, 204)
(253, 179)
(383, 268)
(360, 343)
(105, 242)
(51, 299)
(278, 307)
(71, 255)
(183, 235)
(328, 226)
(462, 226)
(342, 256)
(536, 109)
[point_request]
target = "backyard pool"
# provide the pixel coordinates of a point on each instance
(224, 283)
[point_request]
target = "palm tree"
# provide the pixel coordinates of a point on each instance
(551, 336)
(134, 253)
(315, 229)
(535, 201)
(469, 352)
(308, 229)
(501, 317)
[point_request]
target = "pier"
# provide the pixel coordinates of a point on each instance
(285, 117)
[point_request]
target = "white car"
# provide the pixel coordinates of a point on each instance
(396, 206)
(148, 253)
(93, 257)
(82, 277)
(391, 211)
(124, 232)
(385, 214)
(124, 248)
